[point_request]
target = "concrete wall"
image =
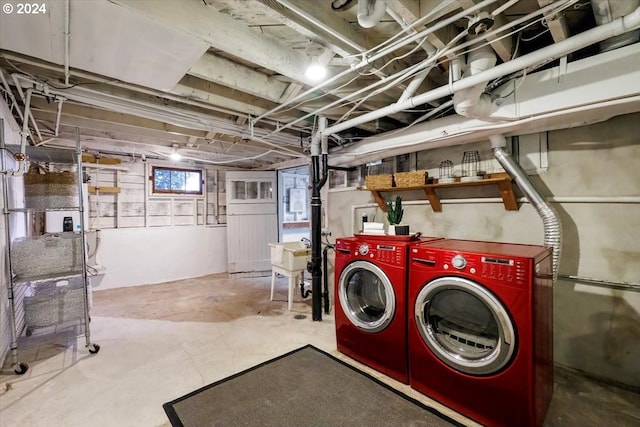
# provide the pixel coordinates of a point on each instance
(137, 256)
(597, 330)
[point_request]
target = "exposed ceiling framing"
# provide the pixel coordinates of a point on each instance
(141, 76)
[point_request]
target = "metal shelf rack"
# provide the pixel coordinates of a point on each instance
(60, 304)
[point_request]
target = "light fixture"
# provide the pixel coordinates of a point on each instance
(175, 156)
(316, 71)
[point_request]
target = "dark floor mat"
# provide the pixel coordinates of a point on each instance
(306, 387)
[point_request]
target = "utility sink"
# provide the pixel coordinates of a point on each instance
(290, 256)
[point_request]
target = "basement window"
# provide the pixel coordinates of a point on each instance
(176, 181)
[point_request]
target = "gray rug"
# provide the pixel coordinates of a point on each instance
(306, 387)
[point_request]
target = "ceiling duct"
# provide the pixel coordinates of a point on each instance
(370, 12)
(606, 11)
(473, 102)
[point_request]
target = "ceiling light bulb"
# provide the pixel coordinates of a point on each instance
(315, 71)
(175, 156)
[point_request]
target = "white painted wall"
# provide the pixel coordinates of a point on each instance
(11, 136)
(597, 330)
(138, 256)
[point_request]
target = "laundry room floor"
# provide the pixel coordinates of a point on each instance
(159, 342)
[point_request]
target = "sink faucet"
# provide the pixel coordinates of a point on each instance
(306, 242)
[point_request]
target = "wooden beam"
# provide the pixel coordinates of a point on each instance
(233, 75)
(223, 33)
(557, 24)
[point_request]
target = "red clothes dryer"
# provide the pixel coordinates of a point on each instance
(371, 301)
(481, 329)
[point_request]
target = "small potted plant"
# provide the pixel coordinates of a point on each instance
(394, 216)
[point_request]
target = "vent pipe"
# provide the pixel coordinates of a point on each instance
(473, 102)
(370, 12)
(605, 11)
(550, 218)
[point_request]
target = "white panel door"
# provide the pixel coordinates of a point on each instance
(252, 221)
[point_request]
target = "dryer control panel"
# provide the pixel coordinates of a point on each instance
(509, 270)
(505, 269)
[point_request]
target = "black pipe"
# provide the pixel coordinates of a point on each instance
(315, 266)
(304, 294)
(341, 168)
(325, 267)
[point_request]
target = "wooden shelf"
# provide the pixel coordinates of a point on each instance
(503, 182)
(103, 190)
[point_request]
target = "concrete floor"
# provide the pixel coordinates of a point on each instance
(159, 342)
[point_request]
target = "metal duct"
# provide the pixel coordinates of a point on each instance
(370, 12)
(605, 11)
(550, 218)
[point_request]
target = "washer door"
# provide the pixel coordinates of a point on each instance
(465, 325)
(366, 296)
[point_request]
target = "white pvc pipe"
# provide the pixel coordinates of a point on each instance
(587, 38)
(66, 42)
(141, 89)
(318, 23)
(417, 80)
(10, 93)
(366, 62)
(29, 116)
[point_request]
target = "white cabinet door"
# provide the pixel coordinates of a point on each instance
(252, 221)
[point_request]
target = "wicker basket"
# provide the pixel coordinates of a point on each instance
(411, 179)
(379, 182)
(43, 189)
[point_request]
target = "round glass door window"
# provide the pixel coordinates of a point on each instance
(366, 296)
(465, 325)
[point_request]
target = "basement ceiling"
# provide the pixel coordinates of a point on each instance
(223, 81)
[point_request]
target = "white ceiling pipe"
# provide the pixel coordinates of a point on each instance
(188, 119)
(367, 89)
(370, 12)
(318, 23)
(587, 38)
(21, 159)
(14, 102)
(156, 112)
(16, 79)
(413, 86)
(375, 57)
(454, 130)
(605, 11)
(456, 63)
(67, 36)
(141, 89)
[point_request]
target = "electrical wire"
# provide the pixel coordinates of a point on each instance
(448, 49)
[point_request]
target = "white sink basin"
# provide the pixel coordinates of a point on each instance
(290, 256)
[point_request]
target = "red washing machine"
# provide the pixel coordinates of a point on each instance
(481, 330)
(371, 301)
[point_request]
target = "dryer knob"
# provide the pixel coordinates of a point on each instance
(364, 249)
(459, 262)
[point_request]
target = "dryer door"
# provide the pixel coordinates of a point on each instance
(465, 325)
(366, 296)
